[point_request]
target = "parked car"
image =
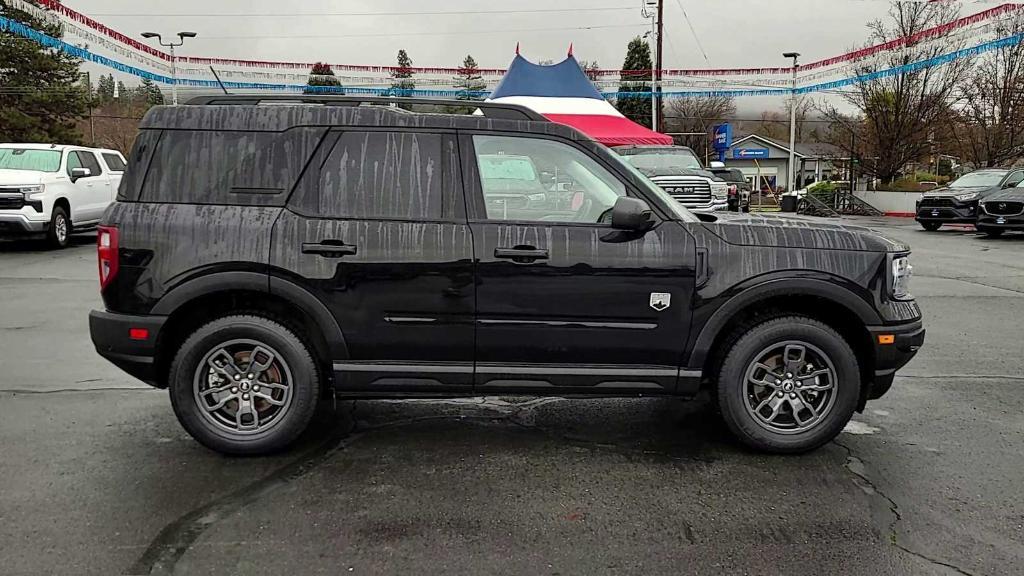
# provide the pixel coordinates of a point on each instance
(958, 202)
(1002, 211)
(739, 187)
(50, 191)
(677, 170)
(311, 250)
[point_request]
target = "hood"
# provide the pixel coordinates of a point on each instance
(674, 171)
(11, 177)
(795, 232)
(1008, 195)
(948, 192)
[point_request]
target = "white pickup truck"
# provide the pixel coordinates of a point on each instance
(48, 190)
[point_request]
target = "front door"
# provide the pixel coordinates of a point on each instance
(379, 235)
(564, 302)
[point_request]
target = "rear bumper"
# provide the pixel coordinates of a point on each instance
(111, 335)
(20, 225)
(907, 340)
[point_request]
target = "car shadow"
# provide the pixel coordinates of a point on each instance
(84, 239)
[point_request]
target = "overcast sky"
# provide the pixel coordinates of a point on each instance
(732, 32)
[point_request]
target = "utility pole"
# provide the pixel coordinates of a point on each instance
(653, 9)
(791, 176)
(659, 39)
(174, 61)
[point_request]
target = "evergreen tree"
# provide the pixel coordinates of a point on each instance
(320, 76)
(43, 96)
(636, 108)
(469, 80)
(151, 93)
(123, 91)
(402, 83)
(105, 89)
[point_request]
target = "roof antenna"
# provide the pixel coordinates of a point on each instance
(218, 80)
(517, 48)
(570, 48)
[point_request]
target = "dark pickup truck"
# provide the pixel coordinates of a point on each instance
(261, 258)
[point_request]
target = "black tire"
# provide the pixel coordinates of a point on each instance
(59, 233)
(931, 226)
(297, 363)
(733, 393)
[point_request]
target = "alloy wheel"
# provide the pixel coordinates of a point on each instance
(243, 387)
(790, 387)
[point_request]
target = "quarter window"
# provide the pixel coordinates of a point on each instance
(537, 180)
(387, 175)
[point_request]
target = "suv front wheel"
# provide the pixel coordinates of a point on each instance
(244, 384)
(788, 385)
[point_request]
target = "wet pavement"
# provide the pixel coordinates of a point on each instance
(96, 476)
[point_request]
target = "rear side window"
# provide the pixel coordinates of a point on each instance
(387, 175)
(114, 162)
(223, 167)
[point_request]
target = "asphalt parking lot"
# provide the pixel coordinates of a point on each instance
(96, 476)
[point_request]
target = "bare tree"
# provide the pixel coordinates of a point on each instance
(989, 124)
(698, 116)
(901, 111)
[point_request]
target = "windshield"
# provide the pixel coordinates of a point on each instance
(651, 188)
(500, 167)
(978, 179)
(29, 159)
(661, 159)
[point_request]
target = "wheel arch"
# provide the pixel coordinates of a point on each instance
(192, 302)
(825, 299)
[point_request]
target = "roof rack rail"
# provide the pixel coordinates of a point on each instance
(488, 109)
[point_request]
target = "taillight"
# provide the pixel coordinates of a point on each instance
(106, 250)
(733, 189)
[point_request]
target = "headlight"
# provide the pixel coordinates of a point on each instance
(32, 192)
(719, 190)
(966, 197)
(900, 274)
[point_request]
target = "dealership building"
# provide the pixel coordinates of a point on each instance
(767, 158)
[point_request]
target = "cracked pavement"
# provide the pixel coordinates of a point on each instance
(98, 478)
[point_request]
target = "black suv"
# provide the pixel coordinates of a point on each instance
(957, 203)
(261, 257)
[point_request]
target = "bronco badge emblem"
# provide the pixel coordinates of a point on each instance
(660, 300)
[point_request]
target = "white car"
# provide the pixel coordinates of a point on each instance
(48, 190)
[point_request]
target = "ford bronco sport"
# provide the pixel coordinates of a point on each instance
(261, 257)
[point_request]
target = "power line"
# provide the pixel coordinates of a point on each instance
(692, 31)
(350, 14)
(442, 33)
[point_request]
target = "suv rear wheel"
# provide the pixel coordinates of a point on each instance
(788, 385)
(244, 384)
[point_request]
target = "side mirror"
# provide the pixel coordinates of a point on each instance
(1010, 185)
(77, 173)
(632, 214)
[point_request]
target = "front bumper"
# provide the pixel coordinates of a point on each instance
(716, 205)
(111, 335)
(20, 225)
(988, 221)
(907, 339)
(952, 213)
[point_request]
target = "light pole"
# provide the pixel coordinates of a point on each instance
(174, 62)
(792, 124)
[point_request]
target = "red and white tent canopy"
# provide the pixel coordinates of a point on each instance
(563, 93)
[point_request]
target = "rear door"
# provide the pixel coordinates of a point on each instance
(115, 166)
(564, 302)
(377, 232)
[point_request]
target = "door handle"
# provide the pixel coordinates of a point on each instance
(521, 254)
(329, 249)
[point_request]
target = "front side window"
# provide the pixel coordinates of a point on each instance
(29, 159)
(385, 175)
(536, 180)
(89, 161)
(74, 161)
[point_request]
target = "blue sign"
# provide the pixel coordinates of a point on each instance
(748, 153)
(723, 137)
